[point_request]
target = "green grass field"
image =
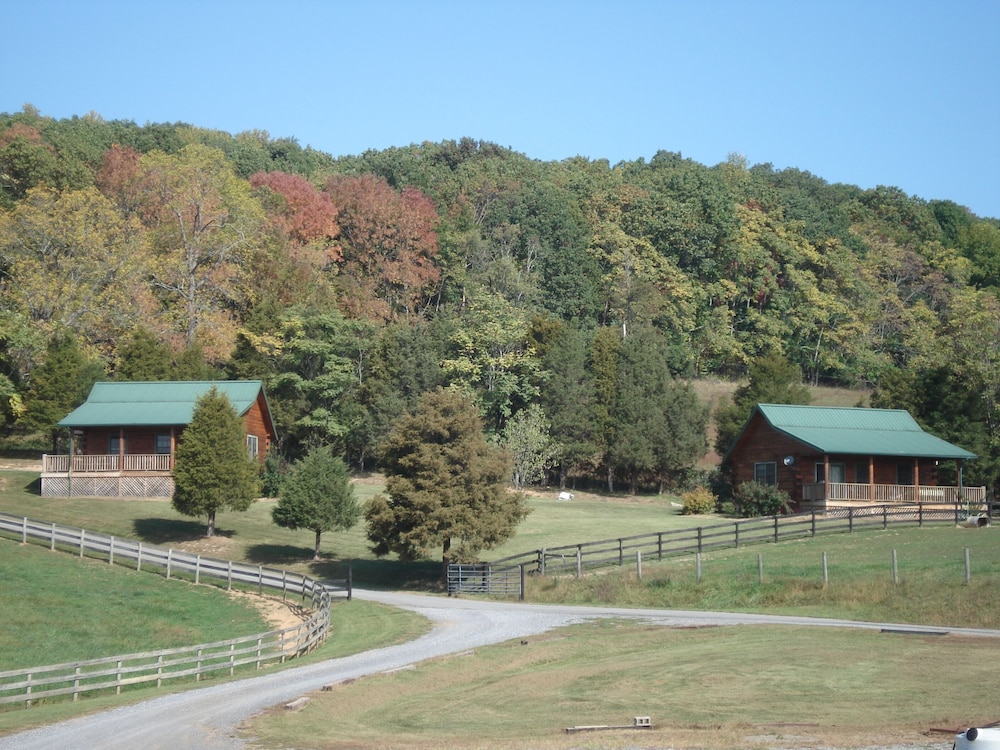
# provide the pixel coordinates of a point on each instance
(747, 687)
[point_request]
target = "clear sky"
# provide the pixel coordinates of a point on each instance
(880, 92)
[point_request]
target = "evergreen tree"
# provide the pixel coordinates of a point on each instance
(446, 485)
(58, 385)
(773, 380)
(143, 358)
(317, 495)
(567, 397)
(213, 470)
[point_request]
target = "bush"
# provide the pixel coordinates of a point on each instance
(699, 500)
(754, 499)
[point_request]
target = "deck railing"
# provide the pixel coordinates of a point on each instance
(107, 463)
(891, 493)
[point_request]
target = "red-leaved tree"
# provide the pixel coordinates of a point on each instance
(389, 243)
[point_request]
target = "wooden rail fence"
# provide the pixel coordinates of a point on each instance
(116, 672)
(577, 558)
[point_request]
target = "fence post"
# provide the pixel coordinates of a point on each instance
(638, 564)
(659, 546)
(138, 557)
(52, 542)
(699, 540)
(229, 576)
(826, 572)
(814, 523)
(24, 530)
(541, 560)
(920, 515)
(83, 534)
(350, 581)
(260, 580)
(621, 553)
(197, 568)
(760, 569)
(850, 520)
(111, 551)
(697, 565)
(579, 561)
(520, 569)
(776, 529)
(885, 517)
(736, 527)
(895, 569)
(170, 559)
(968, 566)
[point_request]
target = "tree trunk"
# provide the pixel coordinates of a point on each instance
(445, 558)
(211, 524)
(316, 551)
(611, 480)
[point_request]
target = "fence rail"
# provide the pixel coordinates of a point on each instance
(116, 672)
(578, 558)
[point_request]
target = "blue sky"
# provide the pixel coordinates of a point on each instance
(882, 92)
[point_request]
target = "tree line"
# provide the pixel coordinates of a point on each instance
(573, 301)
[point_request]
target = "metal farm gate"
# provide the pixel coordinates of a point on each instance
(483, 578)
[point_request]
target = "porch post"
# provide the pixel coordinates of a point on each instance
(871, 479)
(69, 471)
(173, 445)
(826, 476)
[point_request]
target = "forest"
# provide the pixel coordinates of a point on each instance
(574, 302)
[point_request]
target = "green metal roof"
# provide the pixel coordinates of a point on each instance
(155, 403)
(868, 432)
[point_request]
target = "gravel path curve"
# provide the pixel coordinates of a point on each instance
(206, 718)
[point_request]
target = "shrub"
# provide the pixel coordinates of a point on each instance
(697, 501)
(755, 499)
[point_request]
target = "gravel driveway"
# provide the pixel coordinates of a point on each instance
(206, 718)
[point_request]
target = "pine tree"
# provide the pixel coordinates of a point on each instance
(58, 385)
(213, 470)
(317, 495)
(445, 483)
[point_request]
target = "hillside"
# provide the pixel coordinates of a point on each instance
(592, 291)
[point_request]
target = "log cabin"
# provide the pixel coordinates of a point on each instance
(123, 438)
(830, 457)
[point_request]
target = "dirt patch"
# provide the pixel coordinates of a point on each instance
(278, 614)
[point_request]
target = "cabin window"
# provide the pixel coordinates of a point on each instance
(115, 446)
(861, 472)
(838, 473)
(765, 472)
(163, 444)
(252, 446)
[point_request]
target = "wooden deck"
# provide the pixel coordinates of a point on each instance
(845, 494)
(108, 475)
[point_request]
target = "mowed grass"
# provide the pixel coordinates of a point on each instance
(57, 608)
(726, 687)
(741, 687)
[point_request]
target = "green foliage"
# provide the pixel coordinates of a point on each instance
(213, 471)
(698, 501)
(526, 437)
(58, 385)
(753, 499)
(773, 380)
(316, 494)
(445, 484)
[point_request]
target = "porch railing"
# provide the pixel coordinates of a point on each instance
(108, 463)
(891, 493)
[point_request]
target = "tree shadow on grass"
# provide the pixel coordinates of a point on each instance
(169, 530)
(388, 574)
